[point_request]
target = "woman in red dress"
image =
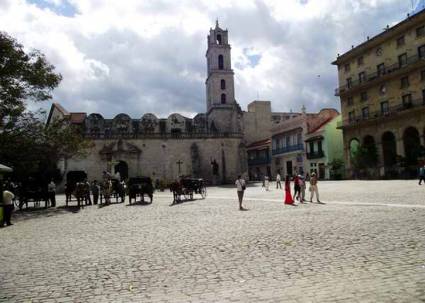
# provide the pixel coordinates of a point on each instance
(288, 196)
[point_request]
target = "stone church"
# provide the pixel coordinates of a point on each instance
(211, 145)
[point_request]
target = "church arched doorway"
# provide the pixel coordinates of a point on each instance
(122, 168)
(412, 145)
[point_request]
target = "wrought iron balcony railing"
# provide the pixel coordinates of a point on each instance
(259, 161)
(378, 74)
(288, 149)
(315, 155)
(391, 112)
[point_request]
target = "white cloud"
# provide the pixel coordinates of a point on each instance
(149, 56)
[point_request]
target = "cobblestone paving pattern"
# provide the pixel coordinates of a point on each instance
(367, 244)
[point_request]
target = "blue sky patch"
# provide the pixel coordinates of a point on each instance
(63, 9)
(252, 57)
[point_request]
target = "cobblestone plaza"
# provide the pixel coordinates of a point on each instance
(366, 244)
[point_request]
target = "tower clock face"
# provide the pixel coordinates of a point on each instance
(379, 51)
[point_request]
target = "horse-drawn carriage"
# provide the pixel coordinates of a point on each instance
(139, 187)
(113, 188)
(31, 191)
(76, 185)
(186, 187)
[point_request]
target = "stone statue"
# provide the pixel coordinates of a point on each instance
(214, 166)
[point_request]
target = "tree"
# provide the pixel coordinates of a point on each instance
(23, 77)
(336, 168)
(27, 144)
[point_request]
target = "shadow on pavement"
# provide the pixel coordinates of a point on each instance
(34, 213)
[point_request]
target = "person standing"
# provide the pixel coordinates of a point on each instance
(313, 188)
(302, 186)
(278, 184)
(8, 197)
(288, 196)
(51, 188)
(297, 187)
(421, 174)
(240, 187)
(95, 189)
(266, 182)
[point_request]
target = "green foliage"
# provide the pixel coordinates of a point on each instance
(365, 157)
(26, 143)
(336, 168)
(23, 77)
(32, 148)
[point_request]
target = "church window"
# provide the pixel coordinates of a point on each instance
(223, 84)
(223, 98)
(220, 62)
(219, 39)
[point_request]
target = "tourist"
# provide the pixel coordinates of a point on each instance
(421, 174)
(313, 188)
(266, 182)
(87, 198)
(51, 188)
(95, 189)
(240, 186)
(263, 179)
(288, 196)
(278, 184)
(8, 197)
(297, 187)
(302, 186)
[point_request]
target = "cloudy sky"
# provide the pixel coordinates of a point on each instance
(139, 56)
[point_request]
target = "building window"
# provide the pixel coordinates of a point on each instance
(347, 67)
(363, 96)
(381, 69)
(360, 61)
(382, 90)
(351, 116)
(404, 82)
(319, 146)
(420, 31)
(223, 98)
(311, 146)
(421, 51)
(288, 141)
(220, 62)
(350, 101)
(362, 77)
(407, 100)
(349, 82)
(402, 60)
(365, 112)
(223, 84)
(400, 41)
(384, 107)
(299, 139)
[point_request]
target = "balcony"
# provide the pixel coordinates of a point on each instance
(259, 161)
(391, 112)
(378, 74)
(288, 149)
(315, 155)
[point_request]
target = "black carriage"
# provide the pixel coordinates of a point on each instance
(187, 187)
(34, 191)
(139, 187)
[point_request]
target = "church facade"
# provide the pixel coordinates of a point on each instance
(211, 145)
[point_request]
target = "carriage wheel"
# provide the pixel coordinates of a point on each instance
(203, 192)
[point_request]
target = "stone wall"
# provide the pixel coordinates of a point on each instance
(158, 158)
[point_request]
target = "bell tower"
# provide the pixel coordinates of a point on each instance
(220, 89)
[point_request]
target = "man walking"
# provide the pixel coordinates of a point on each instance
(95, 189)
(51, 188)
(240, 187)
(313, 188)
(278, 179)
(8, 206)
(421, 174)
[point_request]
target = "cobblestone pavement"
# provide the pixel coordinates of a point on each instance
(366, 244)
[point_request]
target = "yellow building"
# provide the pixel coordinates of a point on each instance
(382, 93)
